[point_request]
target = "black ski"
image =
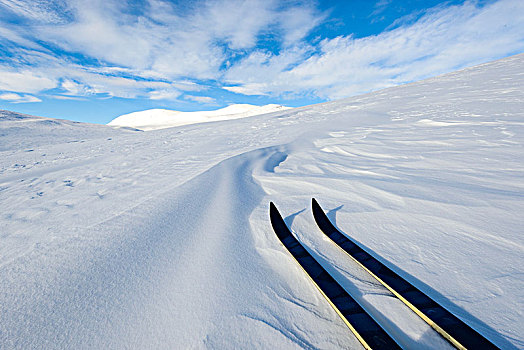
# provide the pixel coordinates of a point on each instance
(365, 328)
(444, 322)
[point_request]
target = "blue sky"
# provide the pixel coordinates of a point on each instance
(94, 60)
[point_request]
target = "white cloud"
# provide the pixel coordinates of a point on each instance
(237, 22)
(201, 99)
(261, 69)
(120, 86)
(159, 41)
(162, 51)
(65, 97)
(170, 44)
(188, 86)
(16, 98)
(73, 88)
(297, 22)
(42, 11)
(24, 81)
(249, 89)
(380, 6)
(164, 94)
(440, 41)
(14, 36)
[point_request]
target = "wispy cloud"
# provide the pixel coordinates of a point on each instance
(168, 94)
(16, 98)
(201, 99)
(380, 6)
(95, 47)
(442, 40)
(24, 80)
(65, 97)
(164, 51)
(40, 11)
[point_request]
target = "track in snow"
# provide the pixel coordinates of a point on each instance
(189, 274)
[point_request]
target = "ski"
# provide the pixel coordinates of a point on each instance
(451, 328)
(369, 333)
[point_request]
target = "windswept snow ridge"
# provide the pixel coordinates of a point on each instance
(114, 238)
(162, 118)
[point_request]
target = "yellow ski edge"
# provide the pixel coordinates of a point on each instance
(348, 324)
(413, 308)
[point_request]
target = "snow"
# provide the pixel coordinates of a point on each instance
(153, 119)
(116, 238)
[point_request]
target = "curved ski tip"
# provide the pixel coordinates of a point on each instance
(273, 211)
(315, 204)
(277, 222)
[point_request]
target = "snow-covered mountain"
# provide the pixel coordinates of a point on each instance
(152, 119)
(115, 238)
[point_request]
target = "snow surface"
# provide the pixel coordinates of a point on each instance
(114, 238)
(153, 119)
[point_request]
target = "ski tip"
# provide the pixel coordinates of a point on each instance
(316, 207)
(277, 222)
(273, 212)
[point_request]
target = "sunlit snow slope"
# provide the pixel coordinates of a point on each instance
(113, 238)
(153, 119)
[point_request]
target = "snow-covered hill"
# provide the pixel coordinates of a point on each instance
(113, 238)
(162, 118)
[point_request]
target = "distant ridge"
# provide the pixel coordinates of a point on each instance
(152, 119)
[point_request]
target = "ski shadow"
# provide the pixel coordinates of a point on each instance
(290, 218)
(487, 331)
(332, 214)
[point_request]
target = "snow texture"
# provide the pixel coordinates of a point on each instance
(116, 238)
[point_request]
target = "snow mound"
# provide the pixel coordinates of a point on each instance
(22, 131)
(163, 118)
